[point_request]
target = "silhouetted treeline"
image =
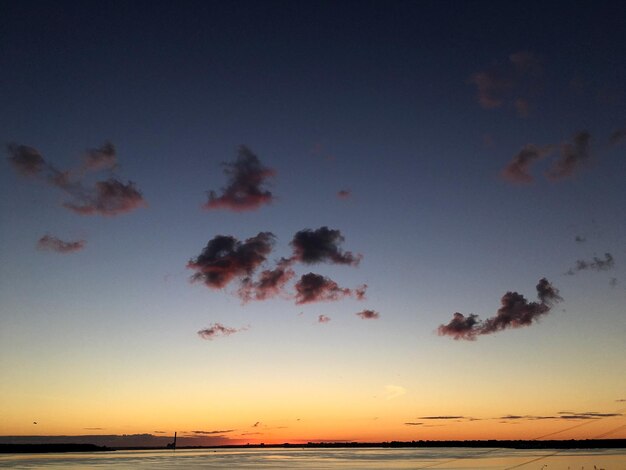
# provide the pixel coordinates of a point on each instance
(45, 448)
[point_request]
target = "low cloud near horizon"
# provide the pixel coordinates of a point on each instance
(217, 329)
(52, 243)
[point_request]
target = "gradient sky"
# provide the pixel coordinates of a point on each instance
(445, 154)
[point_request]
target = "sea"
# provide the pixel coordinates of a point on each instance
(336, 458)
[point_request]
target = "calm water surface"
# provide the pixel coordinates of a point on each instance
(375, 458)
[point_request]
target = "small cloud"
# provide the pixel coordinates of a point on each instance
(270, 283)
(257, 424)
(613, 282)
(52, 243)
(518, 169)
(159, 432)
(368, 315)
(586, 415)
(109, 198)
(244, 191)
(597, 264)
(102, 158)
(573, 156)
(394, 391)
(444, 417)
(93, 429)
(213, 432)
(323, 319)
(413, 424)
(317, 288)
(621, 400)
(344, 194)
(618, 136)
(225, 258)
(217, 329)
(321, 245)
(26, 160)
(580, 239)
(515, 312)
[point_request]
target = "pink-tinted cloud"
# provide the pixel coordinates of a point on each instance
(598, 264)
(109, 198)
(216, 330)
(226, 258)
(515, 312)
(316, 288)
(26, 160)
(321, 245)
(573, 156)
(518, 169)
(52, 243)
(270, 283)
(368, 315)
(512, 84)
(101, 158)
(245, 186)
(344, 194)
(323, 319)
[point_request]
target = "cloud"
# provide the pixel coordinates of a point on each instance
(213, 432)
(52, 243)
(244, 190)
(613, 282)
(597, 264)
(226, 258)
(394, 391)
(110, 197)
(270, 283)
(573, 156)
(413, 424)
(321, 245)
(580, 239)
(586, 415)
(518, 169)
(618, 136)
(26, 160)
(511, 84)
(442, 417)
(515, 312)
(368, 315)
(257, 424)
(323, 319)
(217, 329)
(317, 288)
(344, 194)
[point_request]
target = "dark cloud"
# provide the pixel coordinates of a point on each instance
(613, 282)
(321, 245)
(244, 190)
(213, 432)
(573, 155)
(217, 329)
(515, 312)
(413, 424)
(518, 169)
(270, 283)
(580, 239)
(52, 243)
(226, 258)
(586, 415)
(316, 288)
(368, 315)
(442, 417)
(26, 160)
(621, 400)
(323, 319)
(344, 194)
(618, 136)
(101, 158)
(110, 197)
(598, 264)
(257, 424)
(512, 84)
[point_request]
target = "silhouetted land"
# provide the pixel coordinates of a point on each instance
(46, 448)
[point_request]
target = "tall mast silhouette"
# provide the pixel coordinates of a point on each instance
(172, 445)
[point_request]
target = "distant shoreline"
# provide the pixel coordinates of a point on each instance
(505, 444)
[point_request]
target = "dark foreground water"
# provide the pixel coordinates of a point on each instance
(374, 458)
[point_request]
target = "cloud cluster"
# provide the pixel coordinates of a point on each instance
(108, 197)
(217, 329)
(597, 264)
(573, 156)
(52, 243)
(515, 312)
(323, 319)
(226, 259)
(368, 315)
(512, 84)
(245, 190)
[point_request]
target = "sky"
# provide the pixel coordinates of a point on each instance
(302, 221)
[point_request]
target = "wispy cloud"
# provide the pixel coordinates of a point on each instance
(368, 315)
(101, 158)
(270, 283)
(26, 160)
(323, 319)
(512, 84)
(109, 198)
(413, 424)
(321, 245)
(214, 432)
(52, 243)
(573, 156)
(217, 329)
(245, 190)
(580, 239)
(518, 169)
(344, 194)
(515, 312)
(618, 136)
(597, 264)
(442, 417)
(225, 258)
